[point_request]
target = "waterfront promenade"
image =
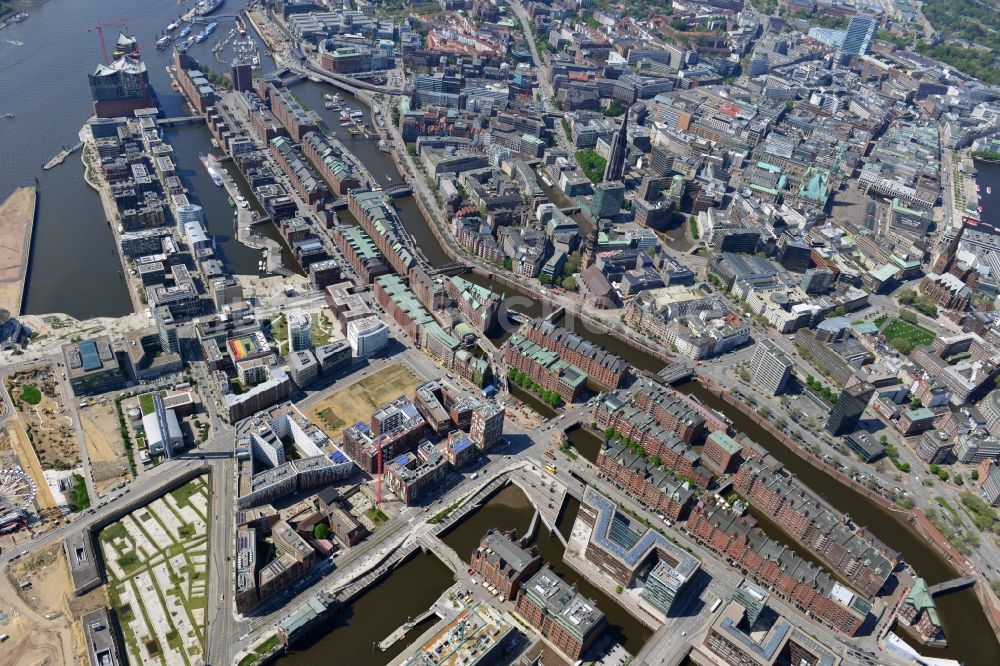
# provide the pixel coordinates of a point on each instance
(17, 222)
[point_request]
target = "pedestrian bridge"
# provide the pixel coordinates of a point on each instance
(399, 190)
(952, 585)
(676, 372)
(179, 120)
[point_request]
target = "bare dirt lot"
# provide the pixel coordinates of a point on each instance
(344, 407)
(108, 461)
(44, 626)
(17, 216)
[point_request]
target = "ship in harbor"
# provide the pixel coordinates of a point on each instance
(206, 7)
(209, 29)
(185, 31)
(164, 42)
(207, 162)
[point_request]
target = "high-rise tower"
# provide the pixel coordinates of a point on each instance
(615, 168)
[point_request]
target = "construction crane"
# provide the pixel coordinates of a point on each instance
(99, 29)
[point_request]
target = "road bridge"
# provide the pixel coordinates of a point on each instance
(345, 83)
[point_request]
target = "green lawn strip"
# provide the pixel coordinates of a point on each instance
(184, 493)
(162, 596)
(145, 619)
(180, 519)
(124, 619)
(182, 598)
(163, 525)
(267, 645)
(376, 515)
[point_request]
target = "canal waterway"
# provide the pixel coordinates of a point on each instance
(988, 176)
(353, 634)
(585, 442)
(510, 509)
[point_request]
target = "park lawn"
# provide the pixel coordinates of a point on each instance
(30, 394)
(918, 335)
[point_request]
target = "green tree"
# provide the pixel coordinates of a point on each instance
(572, 263)
(592, 164)
(569, 283)
(909, 316)
(544, 279)
(615, 108)
(321, 531)
(902, 345)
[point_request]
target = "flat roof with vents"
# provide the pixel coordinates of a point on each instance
(89, 356)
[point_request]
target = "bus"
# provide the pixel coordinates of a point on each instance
(550, 469)
(715, 605)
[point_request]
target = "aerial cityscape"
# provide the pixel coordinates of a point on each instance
(514, 332)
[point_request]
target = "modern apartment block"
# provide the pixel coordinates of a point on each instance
(299, 330)
(410, 476)
(263, 473)
(770, 368)
(732, 639)
(850, 406)
(486, 428)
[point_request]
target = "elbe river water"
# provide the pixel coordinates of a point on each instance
(74, 267)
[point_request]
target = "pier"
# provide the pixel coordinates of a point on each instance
(61, 157)
(17, 223)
